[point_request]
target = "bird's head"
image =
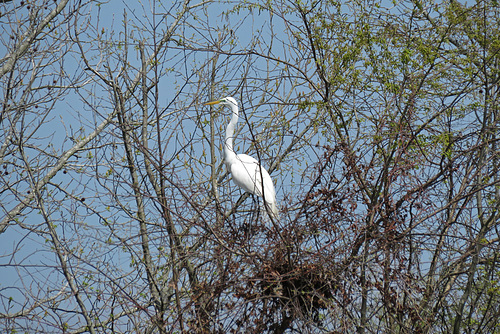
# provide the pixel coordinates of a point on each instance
(227, 101)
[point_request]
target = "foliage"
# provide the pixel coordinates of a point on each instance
(376, 120)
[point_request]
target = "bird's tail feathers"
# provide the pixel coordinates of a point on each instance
(272, 209)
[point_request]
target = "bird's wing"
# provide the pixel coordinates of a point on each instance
(246, 172)
(251, 169)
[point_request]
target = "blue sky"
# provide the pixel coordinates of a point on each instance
(95, 216)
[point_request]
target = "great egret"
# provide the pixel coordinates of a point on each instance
(246, 171)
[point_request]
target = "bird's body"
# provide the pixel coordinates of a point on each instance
(246, 171)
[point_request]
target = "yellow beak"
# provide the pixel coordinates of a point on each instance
(212, 103)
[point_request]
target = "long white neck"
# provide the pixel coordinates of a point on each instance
(229, 153)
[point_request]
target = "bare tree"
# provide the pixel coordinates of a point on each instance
(377, 124)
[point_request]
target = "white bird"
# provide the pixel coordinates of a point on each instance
(246, 171)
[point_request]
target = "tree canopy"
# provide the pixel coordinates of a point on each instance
(377, 121)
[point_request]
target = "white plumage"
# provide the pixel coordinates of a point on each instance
(246, 171)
